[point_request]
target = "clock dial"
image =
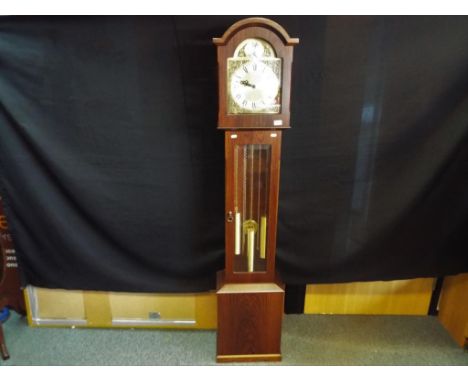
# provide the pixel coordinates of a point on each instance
(254, 79)
(254, 87)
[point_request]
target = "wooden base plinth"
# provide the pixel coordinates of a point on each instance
(249, 322)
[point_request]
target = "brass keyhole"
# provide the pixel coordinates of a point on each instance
(229, 217)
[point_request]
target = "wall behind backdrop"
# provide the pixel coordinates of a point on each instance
(112, 168)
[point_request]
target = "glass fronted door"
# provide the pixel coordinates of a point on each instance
(251, 207)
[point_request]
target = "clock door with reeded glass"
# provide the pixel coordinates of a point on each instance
(252, 172)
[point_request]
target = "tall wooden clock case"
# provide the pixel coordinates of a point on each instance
(254, 63)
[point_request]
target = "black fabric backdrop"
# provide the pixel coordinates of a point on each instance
(113, 170)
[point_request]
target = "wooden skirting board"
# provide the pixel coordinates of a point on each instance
(56, 308)
(402, 297)
(52, 307)
(453, 307)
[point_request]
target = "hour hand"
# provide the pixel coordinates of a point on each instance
(247, 83)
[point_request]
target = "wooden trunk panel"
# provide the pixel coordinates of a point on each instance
(249, 323)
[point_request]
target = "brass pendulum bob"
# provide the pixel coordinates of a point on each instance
(250, 228)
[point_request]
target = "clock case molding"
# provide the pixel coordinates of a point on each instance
(283, 44)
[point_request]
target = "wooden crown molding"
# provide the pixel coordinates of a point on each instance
(256, 22)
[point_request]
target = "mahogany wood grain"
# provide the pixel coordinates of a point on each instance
(10, 284)
(255, 21)
(10, 287)
(249, 322)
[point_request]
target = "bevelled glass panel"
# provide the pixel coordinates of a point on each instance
(251, 188)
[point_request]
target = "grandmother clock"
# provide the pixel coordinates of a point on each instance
(254, 67)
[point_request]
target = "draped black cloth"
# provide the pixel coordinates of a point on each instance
(112, 168)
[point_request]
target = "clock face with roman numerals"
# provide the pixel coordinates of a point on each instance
(254, 87)
(254, 79)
